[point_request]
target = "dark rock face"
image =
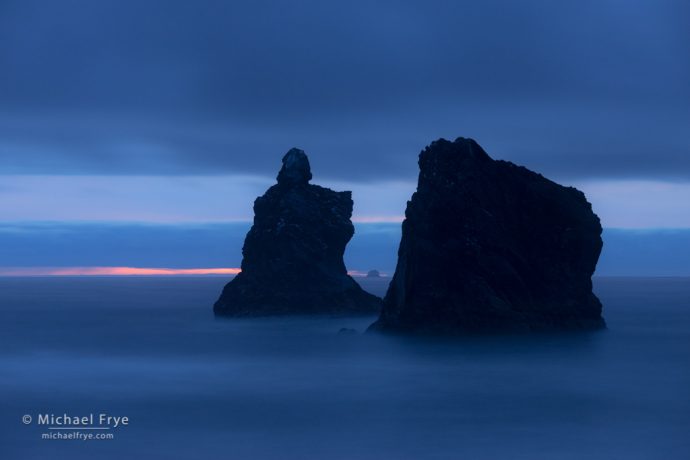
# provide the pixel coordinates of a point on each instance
(293, 254)
(488, 246)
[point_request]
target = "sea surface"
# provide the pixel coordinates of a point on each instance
(194, 387)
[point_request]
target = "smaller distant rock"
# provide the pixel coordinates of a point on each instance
(292, 258)
(373, 274)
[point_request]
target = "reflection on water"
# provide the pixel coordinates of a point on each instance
(196, 387)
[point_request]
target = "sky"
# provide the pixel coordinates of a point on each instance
(149, 121)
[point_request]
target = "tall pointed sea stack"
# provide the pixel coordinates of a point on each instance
(293, 254)
(488, 246)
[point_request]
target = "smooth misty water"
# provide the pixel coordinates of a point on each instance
(198, 388)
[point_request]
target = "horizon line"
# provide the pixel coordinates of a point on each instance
(131, 271)
(114, 271)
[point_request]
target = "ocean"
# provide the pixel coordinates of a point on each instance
(194, 387)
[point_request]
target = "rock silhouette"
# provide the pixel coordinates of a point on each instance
(488, 246)
(293, 254)
(373, 274)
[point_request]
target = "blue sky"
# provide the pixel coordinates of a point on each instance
(131, 122)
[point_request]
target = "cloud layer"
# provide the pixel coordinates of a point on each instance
(201, 199)
(100, 248)
(574, 90)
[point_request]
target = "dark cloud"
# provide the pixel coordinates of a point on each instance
(591, 88)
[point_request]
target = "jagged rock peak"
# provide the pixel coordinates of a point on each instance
(296, 169)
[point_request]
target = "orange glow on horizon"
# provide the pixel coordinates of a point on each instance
(129, 271)
(113, 271)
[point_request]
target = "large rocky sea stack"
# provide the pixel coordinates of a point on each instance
(488, 246)
(293, 254)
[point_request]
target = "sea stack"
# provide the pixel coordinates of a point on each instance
(293, 254)
(488, 246)
(373, 274)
